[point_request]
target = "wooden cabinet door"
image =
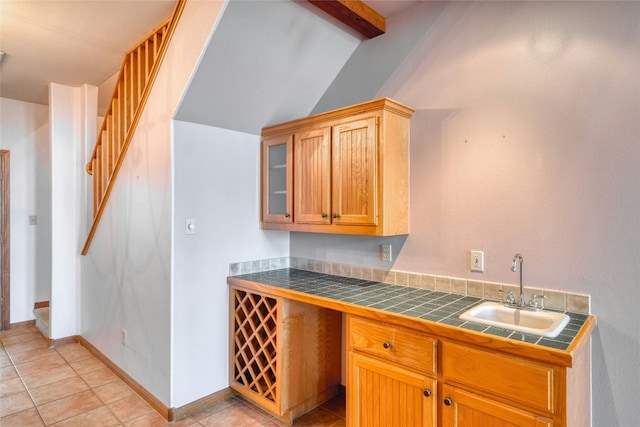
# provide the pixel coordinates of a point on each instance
(384, 394)
(355, 172)
(463, 409)
(277, 179)
(312, 159)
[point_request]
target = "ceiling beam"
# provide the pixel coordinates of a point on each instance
(356, 14)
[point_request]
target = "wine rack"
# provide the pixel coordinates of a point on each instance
(255, 343)
(284, 355)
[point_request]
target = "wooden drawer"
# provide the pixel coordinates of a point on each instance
(395, 343)
(518, 380)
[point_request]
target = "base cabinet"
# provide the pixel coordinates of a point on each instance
(285, 355)
(464, 409)
(390, 375)
(398, 375)
(482, 387)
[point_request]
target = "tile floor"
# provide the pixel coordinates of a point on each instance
(68, 386)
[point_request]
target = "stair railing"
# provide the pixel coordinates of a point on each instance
(132, 88)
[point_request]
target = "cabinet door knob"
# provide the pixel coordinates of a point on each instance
(324, 215)
(287, 215)
(386, 344)
(448, 401)
(427, 392)
(335, 215)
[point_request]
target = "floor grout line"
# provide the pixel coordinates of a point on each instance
(24, 384)
(215, 417)
(88, 385)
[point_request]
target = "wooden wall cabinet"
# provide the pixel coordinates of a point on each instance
(351, 171)
(285, 355)
(390, 375)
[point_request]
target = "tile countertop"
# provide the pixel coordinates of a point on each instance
(423, 304)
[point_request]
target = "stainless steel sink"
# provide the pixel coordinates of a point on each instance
(546, 323)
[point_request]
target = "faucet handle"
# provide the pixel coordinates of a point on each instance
(536, 302)
(511, 299)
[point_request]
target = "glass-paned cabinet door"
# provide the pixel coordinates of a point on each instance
(277, 184)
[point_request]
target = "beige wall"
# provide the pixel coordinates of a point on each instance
(525, 139)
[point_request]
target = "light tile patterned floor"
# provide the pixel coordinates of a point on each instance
(68, 386)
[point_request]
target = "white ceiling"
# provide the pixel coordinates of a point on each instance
(84, 41)
(69, 42)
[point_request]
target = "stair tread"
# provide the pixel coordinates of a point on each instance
(42, 314)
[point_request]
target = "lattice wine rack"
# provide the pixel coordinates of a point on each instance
(255, 343)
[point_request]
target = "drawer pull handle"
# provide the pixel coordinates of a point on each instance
(427, 392)
(287, 215)
(386, 344)
(324, 215)
(448, 401)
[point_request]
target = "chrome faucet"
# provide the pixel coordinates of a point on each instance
(514, 267)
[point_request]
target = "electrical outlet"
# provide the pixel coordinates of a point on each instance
(477, 261)
(387, 255)
(123, 336)
(33, 220)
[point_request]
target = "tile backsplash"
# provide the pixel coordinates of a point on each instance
(247, 267)
(557, 300)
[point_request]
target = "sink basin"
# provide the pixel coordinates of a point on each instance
(546, 323)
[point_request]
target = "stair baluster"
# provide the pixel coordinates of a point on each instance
(136, 77)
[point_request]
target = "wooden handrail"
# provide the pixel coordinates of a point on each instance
(135, 80)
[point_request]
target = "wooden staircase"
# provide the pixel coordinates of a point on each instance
(135, 80)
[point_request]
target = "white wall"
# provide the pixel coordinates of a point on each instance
(72, 112)
(127, 272)
(24, 131)
(216, 182)
(526, 139)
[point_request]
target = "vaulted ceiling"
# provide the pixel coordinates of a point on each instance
(268, 61)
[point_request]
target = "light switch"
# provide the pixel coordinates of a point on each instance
(33, 220)
(190, 226)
